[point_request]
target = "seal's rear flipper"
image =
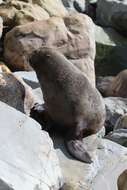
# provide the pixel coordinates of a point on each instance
(76, 149)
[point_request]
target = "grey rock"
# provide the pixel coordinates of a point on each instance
(15, 92)
(121, 123)
(27, 157)
(116, 14)
(111, 50)
(115, 108)
(119, 136)
(109, 161)
(78, 5)
(29, 77)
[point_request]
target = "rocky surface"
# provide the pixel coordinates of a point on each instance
(109, 161)
(122, 182)
(115, 108)
(116, 16)
(29, 77)
(15, 92)
(16, 12)
(121, 123)
(73, 36)
(111, 48)
(119, 133)
(77, 5)
(27, 158)
(113, 86)
(1, 26)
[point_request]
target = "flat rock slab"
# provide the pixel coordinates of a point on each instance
(109, 161)
(27, 158)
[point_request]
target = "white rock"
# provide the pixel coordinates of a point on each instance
(27, 158)
(110, 160)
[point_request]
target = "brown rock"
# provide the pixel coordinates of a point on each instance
(122, 181)
(17, 12)
(15, 92)
(114, 86)
(4, 68)
(73, 36)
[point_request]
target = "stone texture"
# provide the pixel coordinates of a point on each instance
(116, 15)
(115, 107)
(18, 12)
(73, 36)
(1, 26)
(15, 92)
(4, 68)
(53, 7)
(111, 50)
(121, 122)
(77, 5)
(29, 77)
(109, 161)
(113, 86)
(119, 136)
(27, 157)
(122, 181)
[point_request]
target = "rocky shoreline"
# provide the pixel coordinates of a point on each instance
(91, 34)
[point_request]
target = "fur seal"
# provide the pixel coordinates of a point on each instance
(70, 100)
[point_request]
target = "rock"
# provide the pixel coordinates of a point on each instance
(110, 160)
(121, 122)
(103, 84)
(116, 16)
(114, 86)
(27, 157)
(122, 181)
(18, 12)
(4, 68)
(1, 27)
(111, 50)
(73, 36)
(16, 93)
(53, 7)
(38, 96)
(119, 136)
(78, 5)
(29, 77)
(115, 107)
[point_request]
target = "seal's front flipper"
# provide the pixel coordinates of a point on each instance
(76, 149)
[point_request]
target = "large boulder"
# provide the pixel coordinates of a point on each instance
(27, 157)
(18, 12)
(111, 48)
(73, 36)
(116, 16)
